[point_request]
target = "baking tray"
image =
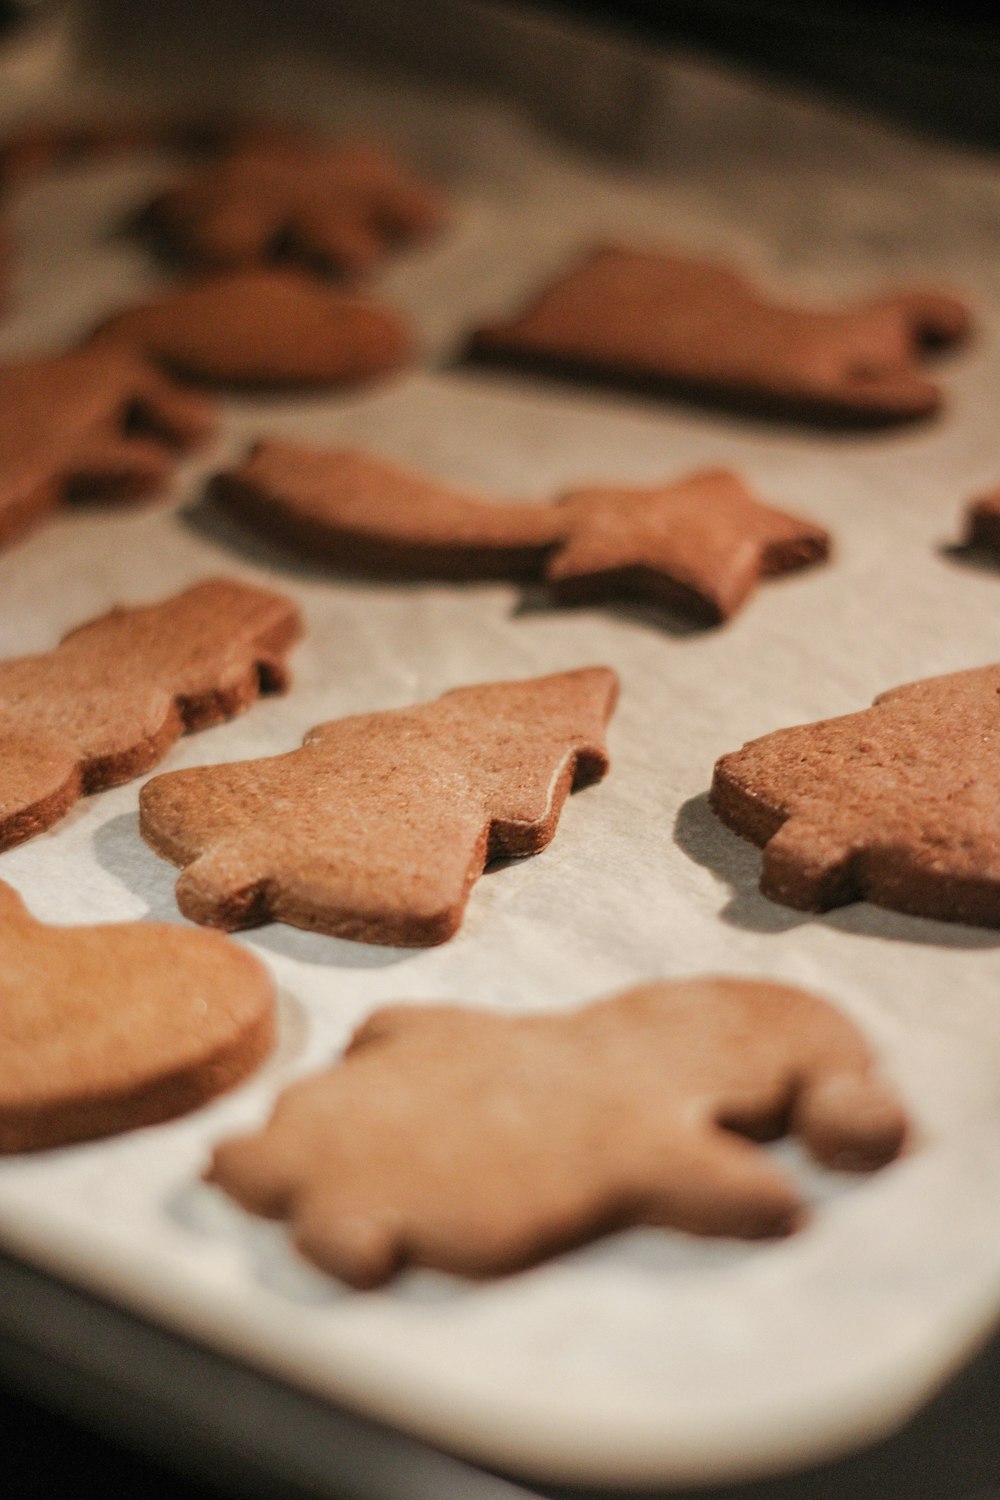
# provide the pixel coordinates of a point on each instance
(649, 1357)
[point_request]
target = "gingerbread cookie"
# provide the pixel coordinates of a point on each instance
(365, 513)
(699, 544)
(48, 143)
(335, 207)
(479, 1142)
(263, 328)
(104, 1029)
(704, 330)
(896, 804)
(96, 423)
(379, 826)
(982, 522)
(116, 693)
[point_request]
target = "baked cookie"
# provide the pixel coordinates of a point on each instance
(116, 693)
(699, 544)
(48, 143)
(362, 512)
(479, 1142)
(336, 207)
(705, 331)
(104, 1029)
(379, 826)
(98, 423)
(262, 328)
(896, 804)
(982, 522)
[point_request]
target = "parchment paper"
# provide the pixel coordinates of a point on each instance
(649, 1356)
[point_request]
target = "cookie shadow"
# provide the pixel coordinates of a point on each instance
(536, 600)
(706, 840)
(212, 522)
(123, 853)
(964, 555)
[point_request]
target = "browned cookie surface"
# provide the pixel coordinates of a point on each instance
(365, 513)
(479, 1142)
(700, 543)
(263, 328)
(705, 329)
(101, 422)
(982, 521)
(108, 1028)
(896, 804)
(106, 703)
(339, 207)
(377, 828)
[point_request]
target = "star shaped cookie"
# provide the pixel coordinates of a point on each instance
(699, 544)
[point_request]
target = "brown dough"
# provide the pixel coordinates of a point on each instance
(111, 699)
(704, 330)
(337, 207)
(896, 804)
(699, 544)
(98, 422)
(379, 826)
(263, 328)
(478, 1142)
(108, 1028)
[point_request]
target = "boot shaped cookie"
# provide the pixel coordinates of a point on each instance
(896, 804)
(97, 423)
(109, 701)
(107, 1028)
(479, 1142)
(379, 826)
(705, 331)
(262, 328)
(699, 544)
(338, 208)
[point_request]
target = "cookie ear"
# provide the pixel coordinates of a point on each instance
(849, 1119)
(809, 866)
(219, 890)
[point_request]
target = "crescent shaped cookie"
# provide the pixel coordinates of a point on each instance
(104, 1029)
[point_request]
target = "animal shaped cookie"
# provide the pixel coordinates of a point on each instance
(335, 207)
(704, 330)
(107, 1028)
(699, 544)
(479, 1142)
(101, 422)
(378, 827)
(896, 804)
(114, 695)
(262, 327)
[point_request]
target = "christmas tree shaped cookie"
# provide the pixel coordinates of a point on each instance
(377, 828)
(896, 804)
